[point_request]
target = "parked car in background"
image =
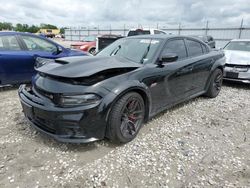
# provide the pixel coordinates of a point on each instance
(89, 43)
(237, 60)
(133, 32)
(207, 39)
(18, 53)
(83, 99)
(105, 40)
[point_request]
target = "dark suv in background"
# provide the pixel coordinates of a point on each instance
(207, 39)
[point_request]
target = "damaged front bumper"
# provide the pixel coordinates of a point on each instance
(237, 73)
(72, 125)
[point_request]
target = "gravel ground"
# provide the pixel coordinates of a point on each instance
(201, 143)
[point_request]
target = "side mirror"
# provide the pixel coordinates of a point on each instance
(167, 58)
(59, 49)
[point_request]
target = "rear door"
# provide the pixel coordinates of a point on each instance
(202, 62)
(14, 61)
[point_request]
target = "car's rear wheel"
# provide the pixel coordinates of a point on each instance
(215, 84)
(126, 118)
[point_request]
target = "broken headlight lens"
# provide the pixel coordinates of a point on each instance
(79, 100)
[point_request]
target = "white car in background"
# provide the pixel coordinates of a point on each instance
(237, 54)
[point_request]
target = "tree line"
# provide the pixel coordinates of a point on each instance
(28, 28)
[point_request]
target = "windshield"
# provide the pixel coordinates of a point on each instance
(89, 39)
(238, 45)
(137, 50)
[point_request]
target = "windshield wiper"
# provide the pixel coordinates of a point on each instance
(145, 53)
(114, 52)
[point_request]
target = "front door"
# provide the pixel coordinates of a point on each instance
(174, 79)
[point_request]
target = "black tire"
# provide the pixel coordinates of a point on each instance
(92, 51)
(126, 118)
(215, 84)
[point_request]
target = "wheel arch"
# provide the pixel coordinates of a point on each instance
(142, 92)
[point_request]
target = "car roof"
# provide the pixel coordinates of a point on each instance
(15, 33)
(241, 40)
(162, 36)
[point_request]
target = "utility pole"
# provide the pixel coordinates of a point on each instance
(241, 28)
(124, 29)
(206, 31)
(179, 30)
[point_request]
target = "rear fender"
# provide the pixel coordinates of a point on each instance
(219, 63)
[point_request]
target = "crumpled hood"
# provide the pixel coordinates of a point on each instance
(85, 66)
(237, 57)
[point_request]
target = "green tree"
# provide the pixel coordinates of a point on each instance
(33, 29)
(62, 30)
(6, 26)
(47, 26)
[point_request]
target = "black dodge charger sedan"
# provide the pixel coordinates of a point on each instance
(83, 99)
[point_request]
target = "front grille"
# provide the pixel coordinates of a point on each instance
(232, 75)
(238, 66)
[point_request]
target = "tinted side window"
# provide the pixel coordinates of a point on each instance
(194, 48)
(37, 44)
(9, 43)
(176, 46)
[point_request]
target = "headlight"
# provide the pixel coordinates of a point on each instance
(78, 100)
(84, 47)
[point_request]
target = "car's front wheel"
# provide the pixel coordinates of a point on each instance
(126, 118)
(215, 84)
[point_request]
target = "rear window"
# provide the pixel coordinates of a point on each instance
(9, 43)
(138, 32)
(194, 48)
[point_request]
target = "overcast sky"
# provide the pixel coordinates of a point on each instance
(130, 12)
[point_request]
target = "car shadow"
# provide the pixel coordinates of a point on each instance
(238, 85)
(9, 87)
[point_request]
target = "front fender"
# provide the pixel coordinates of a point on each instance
(126, 87)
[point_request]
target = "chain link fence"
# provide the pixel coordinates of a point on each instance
(221, 35)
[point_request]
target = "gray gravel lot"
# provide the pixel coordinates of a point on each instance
(201, 143)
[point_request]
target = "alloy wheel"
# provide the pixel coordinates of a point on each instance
(132, 117)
